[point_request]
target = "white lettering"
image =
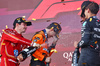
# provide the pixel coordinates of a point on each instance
(68, 55)
(26, 50)
(97, 29)
(65, 55)
(96, 36)
(81, 42)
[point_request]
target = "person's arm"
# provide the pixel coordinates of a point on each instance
(30, 50)
(37, 39)
(26, 53)
(85, 36)
(9, 35)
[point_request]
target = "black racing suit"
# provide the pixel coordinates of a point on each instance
(90, 43)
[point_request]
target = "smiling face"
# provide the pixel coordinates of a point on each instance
(21, 27)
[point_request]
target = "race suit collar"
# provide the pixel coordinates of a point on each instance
(94, 17)
(45, 33)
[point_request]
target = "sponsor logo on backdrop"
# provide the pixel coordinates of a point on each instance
(68, 55)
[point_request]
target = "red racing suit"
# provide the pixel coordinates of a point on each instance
(11, 44)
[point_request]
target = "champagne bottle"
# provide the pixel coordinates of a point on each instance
(75, 57)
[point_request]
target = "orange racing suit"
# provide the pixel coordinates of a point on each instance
(41, 53)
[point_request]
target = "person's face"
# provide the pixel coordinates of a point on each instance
(22, 27)
(86, 12)
(52, 33)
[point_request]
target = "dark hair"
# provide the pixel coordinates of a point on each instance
(54, 25)
(15, 25)
(93, 7)
(48, 27)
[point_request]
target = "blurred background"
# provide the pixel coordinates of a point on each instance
(41, 13)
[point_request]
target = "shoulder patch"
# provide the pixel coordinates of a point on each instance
(10, 31)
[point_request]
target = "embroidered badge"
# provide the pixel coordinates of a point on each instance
(15, 53)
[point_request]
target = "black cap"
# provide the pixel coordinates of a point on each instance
(21, 19)
(83, 6)
(56, 27)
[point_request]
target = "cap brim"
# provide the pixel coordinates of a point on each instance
(28, 23)
(82, 13)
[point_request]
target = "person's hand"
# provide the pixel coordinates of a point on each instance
(55, 39)
(20, 57)
(75, 44)
(83, 19)
(36, 45)
(48, 60)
